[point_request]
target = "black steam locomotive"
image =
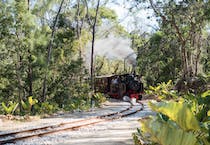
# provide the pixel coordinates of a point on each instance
(118, 86)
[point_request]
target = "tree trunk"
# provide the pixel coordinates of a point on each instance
(197, 56)
(18, 65)
(49, 50)
(92, 48)
(78, 27)
(28, 5)
(30, 75)
(30, 68)
(78, 32)
(184, 60)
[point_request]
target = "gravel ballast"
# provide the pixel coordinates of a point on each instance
(116, 132)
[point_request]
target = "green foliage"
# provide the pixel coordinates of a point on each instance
(163, 90)
(83, 102)
(107, 13)
(185, 121)
(157, 59)
(26, 32)
(27, 105)
(99, 98)
(156, 38)
(177, 112)
(105, 66)
(199, 104)
(46, 107)
(166, 133)
(136, 139)
(24, 36)
(10, 107)
(180, 24)
(77, 103)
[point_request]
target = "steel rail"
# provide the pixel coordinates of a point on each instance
(55, 128)
(61, 124)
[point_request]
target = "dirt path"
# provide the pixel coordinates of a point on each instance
(117, 132)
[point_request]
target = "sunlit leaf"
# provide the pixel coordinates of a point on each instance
(30, 100)
(10, 108)
(178, 112)
(206, 94)
(165, 133)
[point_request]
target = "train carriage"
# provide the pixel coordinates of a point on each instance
(118, 86)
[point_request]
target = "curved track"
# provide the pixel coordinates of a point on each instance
(12, 137)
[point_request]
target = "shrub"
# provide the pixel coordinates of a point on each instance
(163, 91)
(185, 122)
(99, 98)
(27, 105)
(9, 108)
(46, 107)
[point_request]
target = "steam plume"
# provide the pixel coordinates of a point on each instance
(113, 48)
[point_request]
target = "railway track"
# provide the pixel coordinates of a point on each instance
(15, 136)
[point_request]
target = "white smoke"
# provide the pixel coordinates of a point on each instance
(117, 48)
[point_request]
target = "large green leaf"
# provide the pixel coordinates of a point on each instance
(178, 112)
(165, 133)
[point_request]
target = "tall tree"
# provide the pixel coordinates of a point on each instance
(185, 19)
(49, 50)
(93, 26)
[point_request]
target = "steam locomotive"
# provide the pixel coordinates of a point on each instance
(118, 86)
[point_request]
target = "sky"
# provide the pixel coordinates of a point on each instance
(138, 20)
